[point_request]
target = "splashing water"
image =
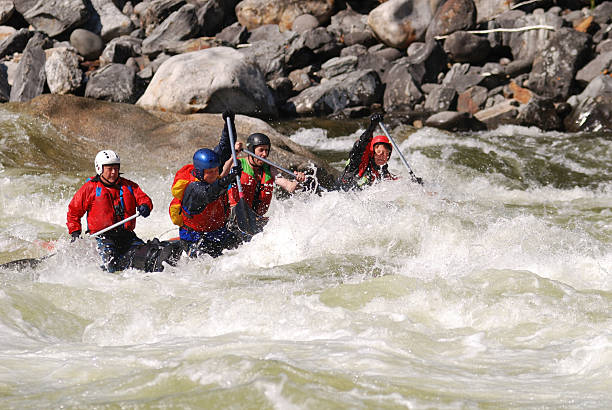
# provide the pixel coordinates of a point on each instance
(491, 287)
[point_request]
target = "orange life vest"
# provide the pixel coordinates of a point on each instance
(213, 217)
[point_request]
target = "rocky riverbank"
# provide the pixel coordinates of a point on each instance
(455, 64)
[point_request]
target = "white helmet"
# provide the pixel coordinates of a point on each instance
(106, 157)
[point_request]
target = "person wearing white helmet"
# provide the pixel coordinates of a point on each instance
(108, 198)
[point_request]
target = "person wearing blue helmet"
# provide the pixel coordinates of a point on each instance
(200, 206)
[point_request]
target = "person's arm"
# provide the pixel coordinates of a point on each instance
(230, 162)
(141, 197)
(199, 194)
(289, 185)
(224, 149)
(77, 208)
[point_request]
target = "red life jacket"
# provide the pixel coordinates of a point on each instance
(105, 205)
(257, 197)
(213, 217)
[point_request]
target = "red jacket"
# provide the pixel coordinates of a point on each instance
(100, 201)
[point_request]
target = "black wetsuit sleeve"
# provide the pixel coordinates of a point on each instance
(359, 149)
(224, 149)
(199, 194)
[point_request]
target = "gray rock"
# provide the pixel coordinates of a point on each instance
(211, 15)
(338, 65)
(305, 22)
(16, 42)
(462, 76)
(62, 70)
(354, 50)
(503, 112)
(451, 16)
(300, 79)
(472, 100)
(6, 10)
(347, 90)
(114, 82)
(30, 77)
(268, 50)
(348, 21)
(591, 115)
(53, 17)
(234, 34)
(554, 69)
(402, 92)
(152, 13)
(87, 43)
(210, 80)
(440, 99)
(464, 47)
(600, 65)
(120, 49)
(282, 88)
(180, 25)
(107, 20)
(539, 112)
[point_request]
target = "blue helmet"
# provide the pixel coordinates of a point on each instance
(205, 159)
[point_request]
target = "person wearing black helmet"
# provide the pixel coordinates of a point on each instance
(368, 158)
(200, 205)
(258, 178)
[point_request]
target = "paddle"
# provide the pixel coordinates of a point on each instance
(269, 162)
(32, 262)
(246, 218)
(412, 176)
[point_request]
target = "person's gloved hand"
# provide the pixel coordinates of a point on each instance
(377, 118)
(144, 210)
(228, 114)
(236, 170)
(75, 235)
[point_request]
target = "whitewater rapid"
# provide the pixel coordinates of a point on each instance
(490, 287)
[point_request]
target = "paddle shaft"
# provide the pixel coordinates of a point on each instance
(269, 162)
(232, 141)
(414, 177)
(136, 215)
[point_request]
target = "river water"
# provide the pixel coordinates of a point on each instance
(490, 288)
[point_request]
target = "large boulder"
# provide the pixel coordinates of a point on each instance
(358, 88)
(16, 42)
(62, 69)
(113, 82)
(397, 23)
(53, 17)
(254, 13)
(554, 68)
(592, 108)
(30, 78)
(210, 80)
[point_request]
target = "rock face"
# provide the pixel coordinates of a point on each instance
(255, 13)
(209, 80)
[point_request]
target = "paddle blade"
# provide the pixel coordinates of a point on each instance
(244, 218)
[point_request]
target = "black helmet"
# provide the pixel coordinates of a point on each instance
(257, 139)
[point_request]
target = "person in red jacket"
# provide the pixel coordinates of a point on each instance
(258, 178)
(368, 158)
(200, 205)
(108, 198)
